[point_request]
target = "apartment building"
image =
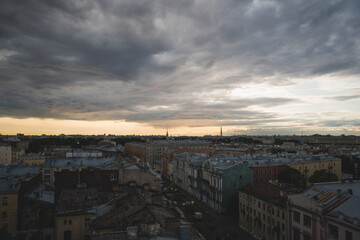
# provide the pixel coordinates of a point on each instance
(325, 211)
(9, 196)
(308, 164)
(263, 211)
(212, 180)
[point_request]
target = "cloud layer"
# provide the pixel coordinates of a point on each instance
(177, 63)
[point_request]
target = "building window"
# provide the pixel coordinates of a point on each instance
(283, 227)
(87, 223)
(5, 201)
(4, 216)
(307, 237)
(87, 237)
(333, 231)
(348, 235)
(296, 234)
(67, 235)
(283, 215)
(47, 178)
(307, 221)
(113, 177)
(70, 222)
(65, 222)
(296, 217)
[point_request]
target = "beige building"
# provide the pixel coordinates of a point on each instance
(33, 159)
(308, 167)
(16, 154)
(9, 205)
(75, 226)
(263, 211)
(5, 155)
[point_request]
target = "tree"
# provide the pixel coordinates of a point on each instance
(323, 176)
(292, 176)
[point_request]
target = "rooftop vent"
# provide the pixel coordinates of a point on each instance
(338, 192)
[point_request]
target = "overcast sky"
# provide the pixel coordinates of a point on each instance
(111, 66)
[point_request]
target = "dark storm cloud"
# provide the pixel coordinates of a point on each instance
(155, 60)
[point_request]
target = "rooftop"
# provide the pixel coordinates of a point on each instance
(10, 186)
(81, 162)
(267, 192)
(19, 171)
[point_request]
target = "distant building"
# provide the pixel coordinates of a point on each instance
(235, 152)
(136, 149)
(308, 164)
(154, 149)
(169, 153)
(33, 159)
(16, 154)
(5, 155)
(263, 211)
(83, 154)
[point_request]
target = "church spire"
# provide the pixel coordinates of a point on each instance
(221, 131)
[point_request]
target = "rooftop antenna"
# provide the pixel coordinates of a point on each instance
(221, 131)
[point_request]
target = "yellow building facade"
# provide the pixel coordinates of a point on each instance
(308, 168)
(261, 214)
(71, 227)
(9, 210)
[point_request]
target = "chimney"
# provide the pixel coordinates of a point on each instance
(132, 232)
(185, 232)
(338, 192)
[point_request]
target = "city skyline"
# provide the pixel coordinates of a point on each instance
(128, 67)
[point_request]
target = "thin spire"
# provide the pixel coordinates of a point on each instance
(221, 131)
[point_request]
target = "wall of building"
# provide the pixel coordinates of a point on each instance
(140, 177)
(132, 150)
(5, 155)
(11, 210)
(233, 179)
(75, 224)
(262, 174)
(309, 167)
(262, 218)
(168, 156)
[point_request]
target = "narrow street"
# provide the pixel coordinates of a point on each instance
(213, 226)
